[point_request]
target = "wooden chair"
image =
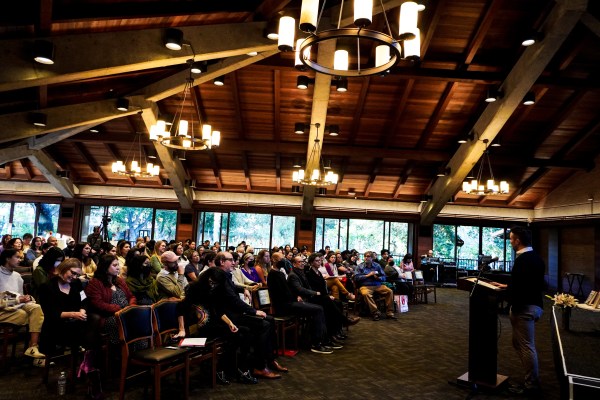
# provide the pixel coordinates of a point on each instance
(136, 326)
(165, 322)
(10, 335)
(422, 289)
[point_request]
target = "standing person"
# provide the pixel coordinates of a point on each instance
(525, 292)
(95, 240)
(19, 309)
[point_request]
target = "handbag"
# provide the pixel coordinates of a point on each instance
(87, 365)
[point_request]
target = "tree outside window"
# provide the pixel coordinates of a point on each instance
(24, 220)
(165, 225)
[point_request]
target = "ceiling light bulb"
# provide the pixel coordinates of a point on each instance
(287, 31)
(340, 60)
(409, 13)
(308, 15)
(363, 13)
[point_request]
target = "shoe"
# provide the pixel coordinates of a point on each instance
(534, 392)
(39, 362)
(278, 367)
(391, 316)
(321, 349)
(352, 321)
(339, 338)
(221, 378)
(376, 316)
(334, 345)
(34, 352)
(246, 378)
(265, 373)
(351, 296)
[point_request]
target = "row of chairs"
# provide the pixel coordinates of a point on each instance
(151, 325)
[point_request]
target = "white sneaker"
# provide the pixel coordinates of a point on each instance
(39, 362)
(34, 352)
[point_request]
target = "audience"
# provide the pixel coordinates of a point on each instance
(53, 257)
(140, 281)
(369, 276)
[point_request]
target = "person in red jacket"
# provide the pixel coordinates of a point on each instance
(107, 294)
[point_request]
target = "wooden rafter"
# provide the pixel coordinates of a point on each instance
(89, 160)
(278, 171)
(359, 109)
(246, 170)
(374, 172)
(27, 168)
(277, 105)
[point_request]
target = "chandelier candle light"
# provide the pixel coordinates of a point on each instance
(182, 134)
(135, 167)
(317, 176)
(387, 51)
(477, 187)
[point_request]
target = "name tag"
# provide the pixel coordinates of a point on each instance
(82, 295)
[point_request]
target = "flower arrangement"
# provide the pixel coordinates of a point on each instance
(564, 300)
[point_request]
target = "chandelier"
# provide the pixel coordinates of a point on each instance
(136, 168)
(181, 133)
(477, 187)
(387, 49)
(315, 174)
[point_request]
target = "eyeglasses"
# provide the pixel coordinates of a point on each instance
(75, 273)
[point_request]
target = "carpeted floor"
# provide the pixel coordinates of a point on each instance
(419, 356)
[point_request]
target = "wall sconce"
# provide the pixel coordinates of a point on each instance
(493, 95)
(173, 39)
(220, 81)
(38, 119)
(43, 52)
(529, 99)
(122, 104)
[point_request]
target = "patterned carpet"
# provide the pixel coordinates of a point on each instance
(419, 356)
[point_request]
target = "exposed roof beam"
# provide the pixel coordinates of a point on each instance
(591, 23)
(237, 106)
(560, 22)
(89, 160)
(111, 53)
(17, 126)
(27, 168)
(359, 109)
(276, 105)
(246, 170)
(373, 176)
(278, 171)
(214, 163)
(341, 173)
(44, 163)
(348, 11)
(13, 153)
(38, 143)
(439, 110)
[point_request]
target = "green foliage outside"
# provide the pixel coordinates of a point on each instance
(4, 217)
(24, 218)
(48, 218)
(128, 221)
(284, 229)
(165, 225)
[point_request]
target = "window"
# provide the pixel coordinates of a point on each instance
(47, 218)
(127, 222)
(253, 228)
(468, 253)
(444, 240)
(213, 227)
(365, 235)
(165, 225)
(283, 230)
(5, 226)
(24, 219)
(398, 243)
(331, 233)
(92, 216)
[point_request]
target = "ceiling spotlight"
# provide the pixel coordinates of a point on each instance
(43, 52)
(151, 152)
(492, 95)
(443, 171)
(470, 136)
(425, 198)
(341, 85)
(351, 192)
(303, 81)
(198, 67)
(220, 81)
(471, 175)
(529, 99)
(271, 31)
(322, 191)
(531, 38)
(334, 130)
(122, 104)
(495, 144)
(94, 130)
(299, 128)
(252, 53)
(38, 119)
(173, 39)
(63, 174)
(297, 163)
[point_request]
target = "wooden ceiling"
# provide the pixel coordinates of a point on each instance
(396, 131)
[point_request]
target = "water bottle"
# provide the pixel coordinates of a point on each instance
(62, 384)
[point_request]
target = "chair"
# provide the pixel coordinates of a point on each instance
(261, 299)
(165, 322)
(10, 335)
(136, 326)
(422, 289)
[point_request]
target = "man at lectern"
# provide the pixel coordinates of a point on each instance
(526, 297)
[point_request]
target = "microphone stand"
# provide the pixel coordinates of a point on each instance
(483, 267)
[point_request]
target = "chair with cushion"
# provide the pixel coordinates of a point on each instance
(165, 323)
(136, 330)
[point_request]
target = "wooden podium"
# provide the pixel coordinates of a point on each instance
(483, 331)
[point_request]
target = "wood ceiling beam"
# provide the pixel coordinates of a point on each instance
(343, 167)
(482, 30)
(18, 126)
(374, 172)
(62, 164)
(89, 160)
(529, 182)
(277, 105)
(348, 11)
(27, 168)
(403, 177)
(113, 53)
(278, 171)
(44, 24)
(214, 163)
(268, 9)
(7, 171)
(398, 113)
(439, 110)
(359, 109)
(46, 165)
(246, 170)
(432, 27)
(557, 26)
(172, 165)
(237, 106)
(591, 22)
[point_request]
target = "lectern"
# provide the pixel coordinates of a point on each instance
(483, 330)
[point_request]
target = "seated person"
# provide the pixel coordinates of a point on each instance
(192, 269)
(140, 280)
(332, 278)
(170, 280)
(248, 268)
(46, 269)
(65, 316)
(398, 275)
(285, 303)
(369, 276)
(17, 308)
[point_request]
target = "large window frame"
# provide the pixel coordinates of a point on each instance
(41, 221)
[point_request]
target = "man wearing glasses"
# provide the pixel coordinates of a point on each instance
(369, 277)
